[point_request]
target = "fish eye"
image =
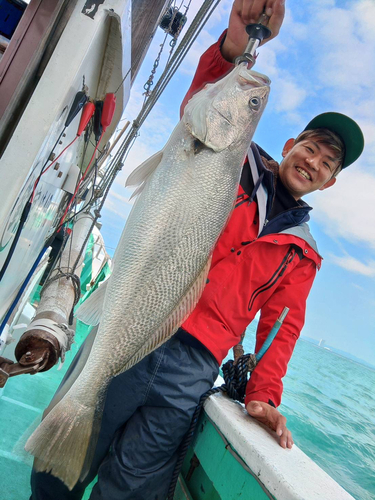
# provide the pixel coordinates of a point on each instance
(254, 102)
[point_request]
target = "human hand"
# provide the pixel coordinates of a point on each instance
(245, 12)
(272, 418)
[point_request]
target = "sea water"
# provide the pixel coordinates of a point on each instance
(329, 403)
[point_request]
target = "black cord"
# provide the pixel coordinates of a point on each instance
(23, 218)
(25, 213)
(86, 204)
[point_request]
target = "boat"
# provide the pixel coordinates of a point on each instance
(63, 53)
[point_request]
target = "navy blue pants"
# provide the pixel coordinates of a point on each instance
(147, 412)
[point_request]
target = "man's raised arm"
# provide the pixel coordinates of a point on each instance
(217, 61)
(246, 12)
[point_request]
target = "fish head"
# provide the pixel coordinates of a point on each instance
(226, 113)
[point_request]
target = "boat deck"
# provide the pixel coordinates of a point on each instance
(22, 402)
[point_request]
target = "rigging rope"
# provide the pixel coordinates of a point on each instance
(173, 12)
(190, 36)
(117, 162)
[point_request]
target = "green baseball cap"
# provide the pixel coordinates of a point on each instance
(348, 130)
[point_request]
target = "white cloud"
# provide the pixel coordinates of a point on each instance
(365, 12)
(123, 199)
(358, 287)
(289, 95)
(190, 62)
(347, 208)
(267, 60)
(115, 208)
(331, 54)
(294, 29)
(319, 4)
(345, 55)
(354, 265)
(117, 203)
(288, 91)
(336, 68)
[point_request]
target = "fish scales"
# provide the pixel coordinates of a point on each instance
(162, 259)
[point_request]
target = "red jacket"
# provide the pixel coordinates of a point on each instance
(254, 270)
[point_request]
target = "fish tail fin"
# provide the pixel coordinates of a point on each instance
(96, 425)
(61, 441)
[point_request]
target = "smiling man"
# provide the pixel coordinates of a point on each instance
(266, 258)
(313, 160)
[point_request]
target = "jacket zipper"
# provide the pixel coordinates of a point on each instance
(280, 215)
(274, 278)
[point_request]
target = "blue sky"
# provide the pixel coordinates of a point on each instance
(322, 60)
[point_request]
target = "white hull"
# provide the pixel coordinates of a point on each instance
(284, 474)
(98, 52)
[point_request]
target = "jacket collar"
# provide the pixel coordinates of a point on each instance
(285, 221)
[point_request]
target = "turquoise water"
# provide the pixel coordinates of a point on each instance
(329, 403)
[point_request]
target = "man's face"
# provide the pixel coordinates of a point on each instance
(307, 167)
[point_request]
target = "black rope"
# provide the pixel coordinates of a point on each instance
(24, 215)
(76, 285)
(235, 378)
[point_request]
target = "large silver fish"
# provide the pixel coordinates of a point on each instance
(185, 198)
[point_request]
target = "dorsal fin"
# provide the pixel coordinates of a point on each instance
(145, 169)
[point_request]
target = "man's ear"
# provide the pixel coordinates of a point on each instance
(328, 184)
(287, 147)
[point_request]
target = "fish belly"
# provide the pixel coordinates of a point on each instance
(164, 250)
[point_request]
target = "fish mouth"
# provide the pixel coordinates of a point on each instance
(254, 78)
(264, 79)
(261, 79)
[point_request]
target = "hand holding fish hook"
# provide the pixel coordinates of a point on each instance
(244, 12)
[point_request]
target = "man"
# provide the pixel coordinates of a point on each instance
(265, 260)
(311, 162)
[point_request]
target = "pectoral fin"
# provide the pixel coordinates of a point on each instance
(145, 169)
(91, 310)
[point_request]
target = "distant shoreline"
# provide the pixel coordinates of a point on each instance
(340, 354)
